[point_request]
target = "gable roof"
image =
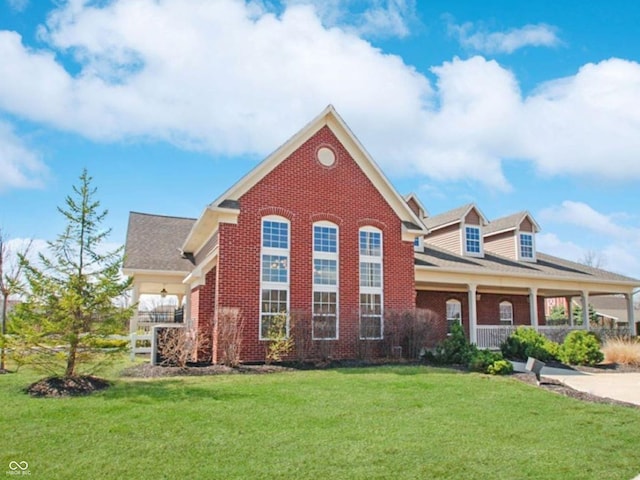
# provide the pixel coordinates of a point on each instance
(452, 217)
(414, 197)
(330, 118)
(509, 223)
(153, 242)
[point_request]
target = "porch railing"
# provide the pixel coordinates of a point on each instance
(492, 336)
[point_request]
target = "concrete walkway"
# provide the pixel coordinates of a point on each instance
(618, 386)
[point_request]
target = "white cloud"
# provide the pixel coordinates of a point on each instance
(21, 167)
(617, 244)
(18, 5)
(480, 40)
(230, 77)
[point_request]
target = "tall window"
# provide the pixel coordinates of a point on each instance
(527, 252)
(454, 313)
(274, 278)
(472, 240)
(506, 313)
(371, 283)
(325, 281)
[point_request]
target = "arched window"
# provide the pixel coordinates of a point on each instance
(454, 313)
(506, 313)
(274, 276)
(371, 283)
(325, 281)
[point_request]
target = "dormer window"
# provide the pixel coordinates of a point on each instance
(526, 250)
(472, 240)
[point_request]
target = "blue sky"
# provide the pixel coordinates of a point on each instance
(513, 105)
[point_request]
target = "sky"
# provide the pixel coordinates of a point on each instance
(512, 105)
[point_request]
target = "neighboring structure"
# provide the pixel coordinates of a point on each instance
(318, 233)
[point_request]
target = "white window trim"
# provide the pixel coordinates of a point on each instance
(420, 246)
(519, 246)
(448, 319)
(285, 252)
(463, 233)
(372, 290)
(505, 302)
(325, 288)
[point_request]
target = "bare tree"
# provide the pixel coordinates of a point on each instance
(10, 274)
(593, 258)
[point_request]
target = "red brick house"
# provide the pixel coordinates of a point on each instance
(317, 233)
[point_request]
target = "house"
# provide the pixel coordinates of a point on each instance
(317, 235)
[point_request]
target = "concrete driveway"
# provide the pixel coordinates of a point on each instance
(618, 386)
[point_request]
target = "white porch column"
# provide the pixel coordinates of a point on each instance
(630, 314)
(473, 314)
(569, 302)
(187, 305)
(135, 298)
(585, 309)
(533, 307)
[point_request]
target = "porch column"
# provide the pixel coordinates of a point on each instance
(569, 311)
(585, 309)
(135, 298)
(473, 314)
(630, 314)
(533, 307)
(187, 305)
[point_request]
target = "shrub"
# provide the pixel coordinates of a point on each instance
(623, 351)
(99, 342)
(581, 348)
(500, 367)
(455, 349)
(486, 361)
(526, 342)
(280, 342)
(410, 330)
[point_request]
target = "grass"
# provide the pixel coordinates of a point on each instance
(623, 351)
(373, 423)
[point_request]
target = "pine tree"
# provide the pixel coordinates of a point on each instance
(70, 302)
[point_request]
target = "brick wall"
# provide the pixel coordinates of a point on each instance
(303, 191)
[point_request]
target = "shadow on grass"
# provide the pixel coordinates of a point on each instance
(174, 390)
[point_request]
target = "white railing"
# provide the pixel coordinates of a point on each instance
(492, 336)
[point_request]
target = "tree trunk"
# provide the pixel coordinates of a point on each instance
(71, 357)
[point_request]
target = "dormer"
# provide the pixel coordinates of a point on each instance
(459, 231)
(417, 207)
(513, 237)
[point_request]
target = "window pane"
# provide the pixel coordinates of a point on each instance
(325, 239)
(325, 272)
(274, 268)
(274, 311)
(472, 235)
(370, 274)
(370, 243)
(370, 327)
(275, 234)
(526, 245)
(370, 304)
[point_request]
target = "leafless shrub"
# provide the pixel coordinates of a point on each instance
(230, 328)
(300, 330)
(175, 345)
(408, 332)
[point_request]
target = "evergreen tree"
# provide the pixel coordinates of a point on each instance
(70, 300)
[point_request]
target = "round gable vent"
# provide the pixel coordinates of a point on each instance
(326, 156)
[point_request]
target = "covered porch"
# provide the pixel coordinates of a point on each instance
(491, 307)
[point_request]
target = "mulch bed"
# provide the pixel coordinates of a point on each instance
(67, 386)
(146, 370)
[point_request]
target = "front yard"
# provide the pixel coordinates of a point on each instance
(383, 422)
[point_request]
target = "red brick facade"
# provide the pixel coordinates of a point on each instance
(304, 191)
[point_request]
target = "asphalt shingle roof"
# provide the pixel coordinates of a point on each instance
(154, 241)
(510, 222)
(545, 266)
(446, 218)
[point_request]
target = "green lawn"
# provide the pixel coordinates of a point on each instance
(386, 422)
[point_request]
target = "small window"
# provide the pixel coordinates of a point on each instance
(370, 243)
(526, 246)
(273, 314)
(472, 240)
(325, 271)
(506, 313)
(275, 234)
(325, 316)
(370, 274)
(325, 239)
(454, 313)
(417, 244)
